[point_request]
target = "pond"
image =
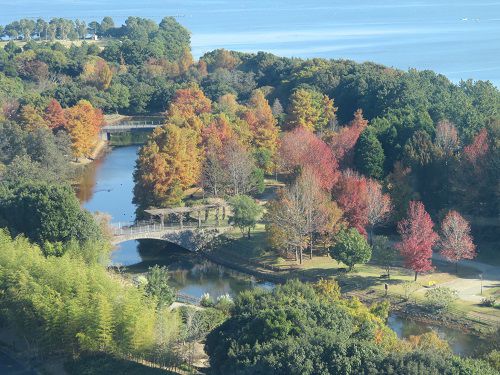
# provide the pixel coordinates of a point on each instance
(107, 186)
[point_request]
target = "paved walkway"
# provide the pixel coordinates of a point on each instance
(469, 289)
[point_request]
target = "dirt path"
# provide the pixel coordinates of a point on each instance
(469, 289)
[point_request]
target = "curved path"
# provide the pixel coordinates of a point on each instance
(469, 289)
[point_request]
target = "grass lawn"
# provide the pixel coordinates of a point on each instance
(364, 278)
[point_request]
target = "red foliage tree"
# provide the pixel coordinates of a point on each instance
(417, 238)
(351, 194)
(54, 115)
(343, 142)
(301, 148)
(479, 147)
(456, 242)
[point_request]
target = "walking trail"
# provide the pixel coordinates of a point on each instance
(469, 289)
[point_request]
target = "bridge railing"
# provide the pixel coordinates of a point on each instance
(119, 229)
(184, 298)
(133, 124)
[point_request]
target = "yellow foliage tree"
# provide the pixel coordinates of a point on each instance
(97, 73)
(30, 118)
(310, 110)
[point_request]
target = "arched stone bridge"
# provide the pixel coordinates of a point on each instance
(194, 234)
(190, 236)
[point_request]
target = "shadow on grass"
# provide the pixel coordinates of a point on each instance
(103, 364)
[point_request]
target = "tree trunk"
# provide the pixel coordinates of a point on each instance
(370, 235)
(300, 253)
(310, 247)
(416, 274)
(296, 255)
(248, 232)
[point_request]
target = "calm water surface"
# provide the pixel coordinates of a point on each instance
(107, 187)
(458, 38)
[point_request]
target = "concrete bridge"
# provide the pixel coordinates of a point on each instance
(190, 236)
(126, 126)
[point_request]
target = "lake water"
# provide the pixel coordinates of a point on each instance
(107, 187)
(458, 38)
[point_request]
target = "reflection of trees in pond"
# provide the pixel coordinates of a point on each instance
(461, 342)
(85, 187)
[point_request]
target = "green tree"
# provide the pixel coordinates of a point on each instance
(107, 24)
(369, 156)
(46, 212)
(105, 321)
(384, 253)
(351, 248)
(245, 212)
(157, 286)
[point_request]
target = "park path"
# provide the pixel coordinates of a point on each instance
(469, 289)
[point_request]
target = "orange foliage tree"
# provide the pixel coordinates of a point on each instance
(189, 102)
(83, 123)
(262, 124)
(54, 115)
(168, 164)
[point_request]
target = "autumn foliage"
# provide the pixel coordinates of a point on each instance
(167, 165)
(456, 241)
(97, 73)
(343, 141)
(262, 123)
(189, 102)
(310, 110)
(477, 150)
(378, 204)
(300, 149)
(351, 195)
(54, 115)
(83, 123)
(417, 238)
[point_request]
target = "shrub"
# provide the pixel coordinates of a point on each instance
(488, 302)
(206, 300)
(440, 298)
(410, 287)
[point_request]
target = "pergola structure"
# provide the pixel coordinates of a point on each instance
(199, 211)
